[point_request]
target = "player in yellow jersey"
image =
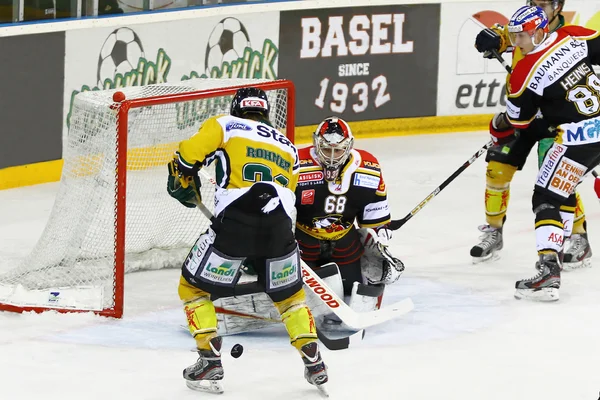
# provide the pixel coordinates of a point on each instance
(257, 173)
(510, 151)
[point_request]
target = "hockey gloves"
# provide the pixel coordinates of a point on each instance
(501, 130)
(491, 39)
(185, 189)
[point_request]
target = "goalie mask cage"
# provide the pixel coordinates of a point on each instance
(112, 213)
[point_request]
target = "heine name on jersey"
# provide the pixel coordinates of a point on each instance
(252, 152)
(559, 63)
(574, 77)
(374, 34)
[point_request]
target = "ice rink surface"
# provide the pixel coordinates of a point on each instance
(466, 339)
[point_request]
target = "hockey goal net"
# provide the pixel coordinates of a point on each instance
(112, 214)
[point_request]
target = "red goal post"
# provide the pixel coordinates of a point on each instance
(112, 214)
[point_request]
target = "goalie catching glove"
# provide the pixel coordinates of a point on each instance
(377, 263)
(185, 189)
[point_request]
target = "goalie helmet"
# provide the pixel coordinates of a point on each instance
(528, 19)
(333, 142)
(250, 100)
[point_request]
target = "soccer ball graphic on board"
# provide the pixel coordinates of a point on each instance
(120, 54)
(226, 43)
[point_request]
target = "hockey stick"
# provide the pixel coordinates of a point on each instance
(322, 290)
(355, 321)
(398, 223)
(502, 61)
(331, 344)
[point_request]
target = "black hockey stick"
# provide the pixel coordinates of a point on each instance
(501, 60)
(398, 223)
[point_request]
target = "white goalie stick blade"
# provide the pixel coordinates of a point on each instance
(205, 386)
(355, 321)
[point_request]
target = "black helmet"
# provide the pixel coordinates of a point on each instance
(250, 100)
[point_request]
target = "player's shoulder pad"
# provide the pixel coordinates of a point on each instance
(524, 70)
(305, 158)
(369, 161)
(579, 32)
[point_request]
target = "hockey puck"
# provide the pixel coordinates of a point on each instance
(237, 350)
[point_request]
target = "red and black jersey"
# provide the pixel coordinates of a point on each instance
(327, 210)
(557, 79)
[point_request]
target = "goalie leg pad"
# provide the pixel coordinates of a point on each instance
(366, 298)
(245, 313)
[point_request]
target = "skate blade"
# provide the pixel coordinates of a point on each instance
(322, 390)
(490, 257)
(586, 263)
(205, 386)
(545, 294)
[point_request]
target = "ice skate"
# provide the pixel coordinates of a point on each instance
(205, 375)
(491, 243)
(578, 253)
(315, 370)
(543, 286)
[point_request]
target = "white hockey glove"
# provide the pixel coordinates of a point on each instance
(377, 263)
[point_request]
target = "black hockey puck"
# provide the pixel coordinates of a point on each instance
(237, 350)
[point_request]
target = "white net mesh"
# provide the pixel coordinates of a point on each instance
(72, 265)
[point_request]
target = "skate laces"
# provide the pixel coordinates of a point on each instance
(489, 236)
(578, 243)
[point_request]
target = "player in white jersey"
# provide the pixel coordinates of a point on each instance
(256, 172)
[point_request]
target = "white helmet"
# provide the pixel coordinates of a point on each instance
(333, 142)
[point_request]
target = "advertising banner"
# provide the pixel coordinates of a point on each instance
(31, 98)
(469, 83)
(237, 46)
(361, 63)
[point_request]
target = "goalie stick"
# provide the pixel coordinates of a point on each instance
(398, 223)
(331, 344)
(352, 319)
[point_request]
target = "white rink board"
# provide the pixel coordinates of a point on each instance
(169, 51)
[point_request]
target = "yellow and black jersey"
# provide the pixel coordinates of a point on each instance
(557, 79)
(327, 210)
(244, 151)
